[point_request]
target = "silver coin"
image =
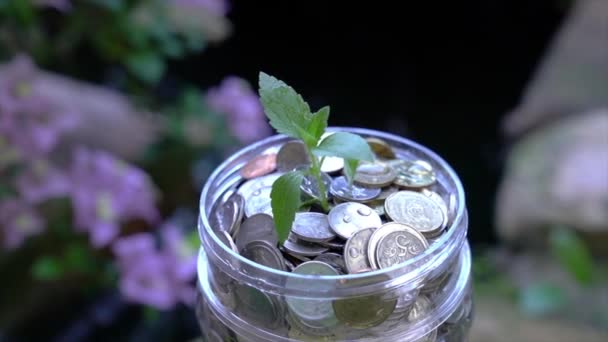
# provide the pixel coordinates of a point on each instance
(374, 175)
(299, 331)
(290, 265)
(265, 254)
(340, 188)
(227, 240)
(383, 231)
(259, 202)
(355, 251)
(237, 204)
(256, 227)
(421, 309)
(294, 246)
(258, 307)
(335, 244)
(415, 210)
(252, 185)
(334, 260)
(347, 218)
(309, 309)
(439, 200)
(386, 191)
(293, 154)
(225, 213)
(294, 258)
(217, 220)
(310, 185)
(332, 164)
(398, 244)
(312, 227)
(451, 208)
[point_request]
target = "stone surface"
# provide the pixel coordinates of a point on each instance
(498, 320)
(557, 175)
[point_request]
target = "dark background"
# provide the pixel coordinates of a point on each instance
(441, 73)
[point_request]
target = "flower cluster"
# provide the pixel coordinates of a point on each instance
(107, 192)
(245, 115)
(157, 276)
(156, 268)
(30, 129)
(27, 121)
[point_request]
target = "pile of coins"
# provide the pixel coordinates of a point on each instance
(393, 210)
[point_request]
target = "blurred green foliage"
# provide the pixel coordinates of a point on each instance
(138, 35)
(572, 253)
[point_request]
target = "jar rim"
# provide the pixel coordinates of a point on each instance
(454, 230)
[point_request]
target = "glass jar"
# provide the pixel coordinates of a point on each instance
(426, 298)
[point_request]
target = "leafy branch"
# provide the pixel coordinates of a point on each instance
(289, 114)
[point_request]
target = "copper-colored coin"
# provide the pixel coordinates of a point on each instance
(381, 148)
(259, 166)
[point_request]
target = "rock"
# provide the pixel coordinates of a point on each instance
(557, 175)
(498, 320)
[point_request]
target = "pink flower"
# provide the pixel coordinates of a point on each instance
(41, 181)
(27, 120)
(107, 192)
(159, 277)
(18, 221)
(242, 107)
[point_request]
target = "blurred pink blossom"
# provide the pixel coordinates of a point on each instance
(18, 220)
(41, 181)
(242, 107)
(159, 277)
(106, 192)
(27, 120)
(218, 7)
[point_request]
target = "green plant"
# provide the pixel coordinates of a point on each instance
(289, 114)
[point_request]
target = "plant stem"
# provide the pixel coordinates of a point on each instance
(315, 170)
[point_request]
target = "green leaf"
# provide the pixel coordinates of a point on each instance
(345, 145)
(47, 268)
(287, 111)
(78, 258)
(572, 254)
(147, 66)
(318, 123)
(285, 201)
(542, 299)
(350, 167)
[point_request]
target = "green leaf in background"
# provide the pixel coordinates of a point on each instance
(147, 66)
(541, 299)
(572, 254)
(47, 268)
(345, 145)
(77, 257)
(289, 114)
(113, 5)
(318, 123)
(285, 201)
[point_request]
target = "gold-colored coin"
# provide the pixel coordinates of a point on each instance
(413, 174)
(395, 243)
(374, 175)
(415, 210)
(439, 200)
(381, 148)
(365, 311)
